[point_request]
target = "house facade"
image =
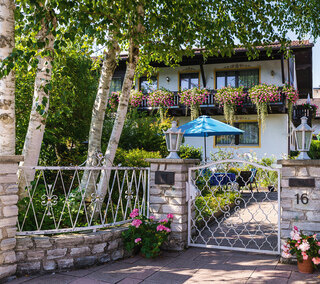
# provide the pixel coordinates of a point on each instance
(217, 72)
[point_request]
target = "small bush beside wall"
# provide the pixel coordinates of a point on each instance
(314, 152)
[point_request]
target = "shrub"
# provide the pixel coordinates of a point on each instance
(146, 234)
(134, 157)
(139, 131)
(314, 152)
(190, 152)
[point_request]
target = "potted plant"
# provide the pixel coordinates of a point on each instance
(306, 248)
(292, 96)
(161, 99)
(136, 98)
(193, 98)
(262, 95)
(229, 98)
(311, 107)
(146, 235)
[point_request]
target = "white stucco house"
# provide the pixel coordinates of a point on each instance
(216, 72)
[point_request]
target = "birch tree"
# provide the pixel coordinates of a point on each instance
(40, 105)
(98, 113)
(41, 33)
(7, 82)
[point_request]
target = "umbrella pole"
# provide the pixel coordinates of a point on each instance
(205, 149)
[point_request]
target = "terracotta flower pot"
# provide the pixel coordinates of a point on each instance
(305, 266)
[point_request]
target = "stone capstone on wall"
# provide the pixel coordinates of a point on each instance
(36, 254)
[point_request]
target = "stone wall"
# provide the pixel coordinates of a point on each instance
(300, 177)
(166, 199)
(37, 254)
(8, 214)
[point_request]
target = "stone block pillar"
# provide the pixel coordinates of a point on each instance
(300, 196)
(166, 198)
(8, 214)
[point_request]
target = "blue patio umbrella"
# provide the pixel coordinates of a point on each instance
(205, 126)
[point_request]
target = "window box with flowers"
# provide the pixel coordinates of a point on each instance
(193, 98)
(262, 95)
(135, 99)
(161, 99)
(230, 98)
(313, 108)
(292, 97)
(146, 235)
(306, 248)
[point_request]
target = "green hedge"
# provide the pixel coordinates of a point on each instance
(134, 157)
(190, 152)
(314, 152)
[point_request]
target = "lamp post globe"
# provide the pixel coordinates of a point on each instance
(303, 137)
(173, 140)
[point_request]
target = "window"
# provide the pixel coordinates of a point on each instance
(148, 85)
(236, 78)
(189, 81)
(250, 136)
(116, 84)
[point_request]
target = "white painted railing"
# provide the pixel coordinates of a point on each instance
(65, 199)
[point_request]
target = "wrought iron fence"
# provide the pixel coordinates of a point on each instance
(69, 199)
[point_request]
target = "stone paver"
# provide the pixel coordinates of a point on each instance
(195, 265)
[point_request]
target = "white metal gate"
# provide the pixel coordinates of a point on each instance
(235, 205)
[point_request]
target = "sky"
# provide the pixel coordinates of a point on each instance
(316, 64)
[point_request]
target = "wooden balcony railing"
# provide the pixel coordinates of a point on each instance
(211, 104)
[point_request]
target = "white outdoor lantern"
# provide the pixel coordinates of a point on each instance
(303, 135)
(173, 140)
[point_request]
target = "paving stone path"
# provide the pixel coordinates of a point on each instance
(190, 266)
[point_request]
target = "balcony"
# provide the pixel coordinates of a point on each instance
(211, 107)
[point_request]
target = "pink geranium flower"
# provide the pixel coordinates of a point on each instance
(304, 256)
(137, 240)
(163, 228)
(316, 260)
(304, 246)
(170, 216)
(134, 213)
(136, 223)
(164, 221)
(286, 254)
(151, 217)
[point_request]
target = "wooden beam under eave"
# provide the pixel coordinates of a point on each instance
(203, 76)
(282, 68)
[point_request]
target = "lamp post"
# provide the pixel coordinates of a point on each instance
(173, 140)
(303, 136)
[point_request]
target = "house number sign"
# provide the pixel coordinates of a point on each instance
(303, 198)
(302, 182)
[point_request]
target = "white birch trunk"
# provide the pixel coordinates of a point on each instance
(120, 118)
(39, 112)
(7, 84)
(98, 113)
